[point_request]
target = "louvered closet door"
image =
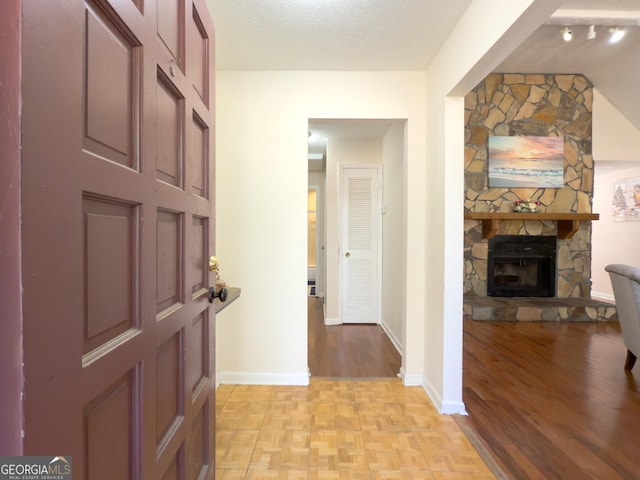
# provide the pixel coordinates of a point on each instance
(360, 246)
(118, 226)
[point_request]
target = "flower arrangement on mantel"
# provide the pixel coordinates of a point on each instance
(526, 207)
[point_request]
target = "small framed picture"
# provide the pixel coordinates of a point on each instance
(625, 206)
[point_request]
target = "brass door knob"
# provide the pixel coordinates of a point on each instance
(347, 254)
(214, 264)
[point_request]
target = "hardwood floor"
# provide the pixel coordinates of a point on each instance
(362, 350)
(552, 400)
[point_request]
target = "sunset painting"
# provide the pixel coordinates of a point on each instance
(527, 162)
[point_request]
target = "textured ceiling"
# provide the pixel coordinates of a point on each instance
(388, 35)
(331, 34)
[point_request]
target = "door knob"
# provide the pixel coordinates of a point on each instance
(214, 264)
(222, 294)
(347, 254)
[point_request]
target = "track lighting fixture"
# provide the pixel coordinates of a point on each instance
(591, 34)
(567, 34)
(616, 34)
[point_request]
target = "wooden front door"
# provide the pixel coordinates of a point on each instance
(117, 198)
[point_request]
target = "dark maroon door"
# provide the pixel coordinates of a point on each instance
(117, 230)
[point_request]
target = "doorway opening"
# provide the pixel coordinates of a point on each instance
(336, 347)
(312, 240)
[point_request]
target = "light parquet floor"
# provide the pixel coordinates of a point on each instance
(339, 430)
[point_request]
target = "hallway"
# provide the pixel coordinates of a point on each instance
(353, 351)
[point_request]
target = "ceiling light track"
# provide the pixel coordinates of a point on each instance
(615, 33)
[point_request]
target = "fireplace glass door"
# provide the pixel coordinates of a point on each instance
(521, 266)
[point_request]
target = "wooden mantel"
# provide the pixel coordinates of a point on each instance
(568, 223)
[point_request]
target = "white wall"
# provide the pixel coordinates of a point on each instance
(261, 189)
(616, 152)
(612, 242)
(393, 234)
(614, 137)
(341, 151)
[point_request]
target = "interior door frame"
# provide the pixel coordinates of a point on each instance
(378, 233)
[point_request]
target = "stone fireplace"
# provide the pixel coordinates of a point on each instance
(530, 105)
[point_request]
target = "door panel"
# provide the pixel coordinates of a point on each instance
(112, 88)
(199, 57)
(108, 455)
(169, 136)
(117, 227)
(171, 27)
(360, 224)
(111, 271)
(199, 249)
(198, 164)
(168, 268)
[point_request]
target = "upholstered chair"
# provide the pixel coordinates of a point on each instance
(625, 280)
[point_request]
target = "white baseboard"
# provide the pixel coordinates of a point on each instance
(444, 407)
(453, 408)
(332, 321)
(410, 380)
(392, 337)
(255, 378)
(603, 297)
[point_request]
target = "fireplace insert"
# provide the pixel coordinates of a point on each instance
(521, 266)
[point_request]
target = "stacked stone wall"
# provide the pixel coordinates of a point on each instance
(530, 105)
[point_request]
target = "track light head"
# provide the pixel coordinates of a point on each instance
(567, 34)
(591, 34)
(616, 34)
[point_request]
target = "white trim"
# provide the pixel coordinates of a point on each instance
(453, 408)
(410, 380)
(392, 337)
(253, 378)
(603, 297)
(332, 321)
(444, 407)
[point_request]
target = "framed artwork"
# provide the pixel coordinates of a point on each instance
(625, 206)
(526, 162)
